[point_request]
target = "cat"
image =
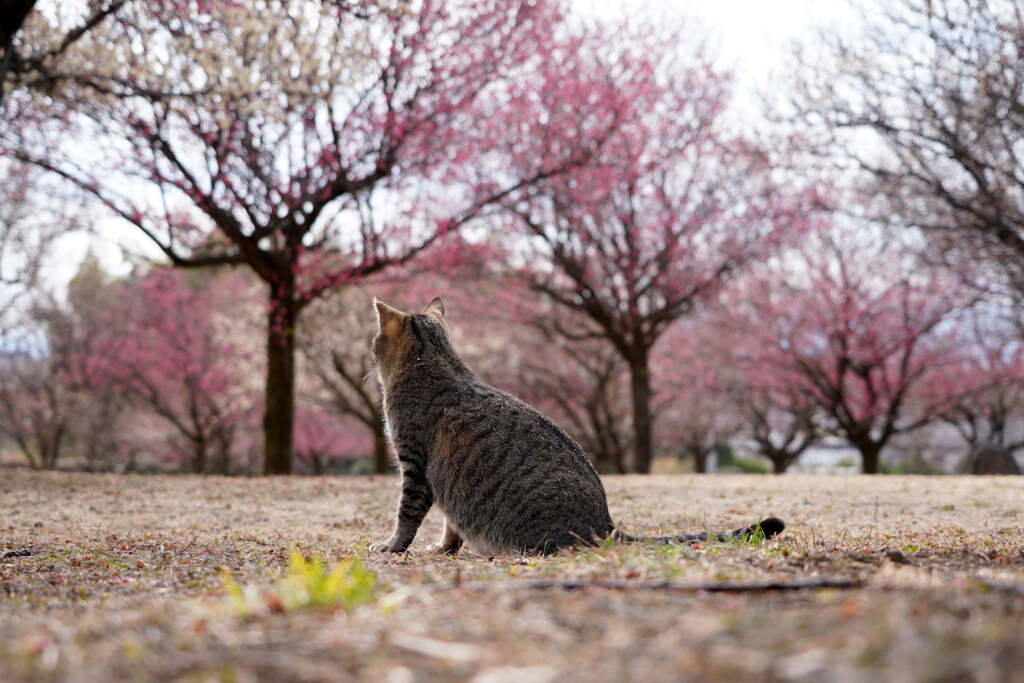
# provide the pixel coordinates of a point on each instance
(506, 477)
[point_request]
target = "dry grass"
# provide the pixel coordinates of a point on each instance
(124, 583)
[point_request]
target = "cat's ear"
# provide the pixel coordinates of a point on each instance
(389, 320)
(435, 308)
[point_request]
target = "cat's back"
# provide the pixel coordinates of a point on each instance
(509, 478)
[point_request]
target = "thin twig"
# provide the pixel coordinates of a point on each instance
(619, 584)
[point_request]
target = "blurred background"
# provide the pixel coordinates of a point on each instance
(739, 236)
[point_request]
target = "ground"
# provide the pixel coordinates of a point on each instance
(108, 577)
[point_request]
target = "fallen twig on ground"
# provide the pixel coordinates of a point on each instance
(626, 584)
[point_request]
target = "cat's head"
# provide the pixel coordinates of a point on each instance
(403, 337)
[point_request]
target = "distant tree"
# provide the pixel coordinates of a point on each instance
(776, 413)
(674, 205)
(781, 422)
(41, 393)
(582, 385)
(35, 407)
(337, 367)
(925, 103)
(307, 152)
(322, 441)
(986, 383)
(164, 348)
(854, 328)
(692, 374)
(47, 405)
(96, 437)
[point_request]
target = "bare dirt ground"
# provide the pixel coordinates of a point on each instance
(122, 580)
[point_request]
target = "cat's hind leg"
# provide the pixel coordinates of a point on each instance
(450, 540)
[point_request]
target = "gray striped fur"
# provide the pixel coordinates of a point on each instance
(507, 478)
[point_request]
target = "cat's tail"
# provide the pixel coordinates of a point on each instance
(768, 527)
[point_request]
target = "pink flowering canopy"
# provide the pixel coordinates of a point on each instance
(325, 148)
(853, 326)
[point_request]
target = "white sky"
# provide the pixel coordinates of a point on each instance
(752, 37)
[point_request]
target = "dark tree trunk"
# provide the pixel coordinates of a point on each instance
(222, 451)
(51, 449)
(318, 462)
(870, 453)
(700, 459)
(30, 456)
(608, 462)
(640, 386)
(50, 457)
(279, 412)
(199, 456)
(780, 459)
(620, 462)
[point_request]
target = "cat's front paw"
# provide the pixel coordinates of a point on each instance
(388, 546)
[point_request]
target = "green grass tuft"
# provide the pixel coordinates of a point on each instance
(306, 583)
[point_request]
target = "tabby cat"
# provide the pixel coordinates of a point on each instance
(506, 477)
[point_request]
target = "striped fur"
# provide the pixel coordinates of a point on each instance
(506, 477)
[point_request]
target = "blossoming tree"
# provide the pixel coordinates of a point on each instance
(168, 348)
(312, 144)
(674, 204)
(855, 328)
